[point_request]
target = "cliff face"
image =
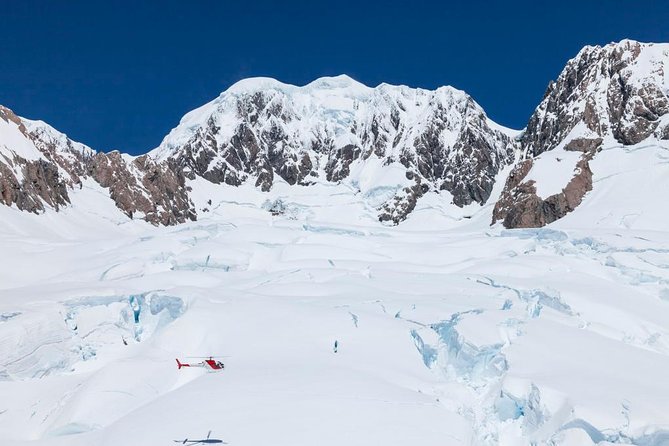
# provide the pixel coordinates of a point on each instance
(29, 178)
(155, 191)
(519, 205)
(616, 93)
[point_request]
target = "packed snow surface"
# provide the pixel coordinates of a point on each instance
(448, 331)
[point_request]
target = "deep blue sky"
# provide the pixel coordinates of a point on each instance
(119, 75)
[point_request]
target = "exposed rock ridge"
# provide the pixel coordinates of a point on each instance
(27, 180)
(40, 165)
(619, 90)
(519, 206)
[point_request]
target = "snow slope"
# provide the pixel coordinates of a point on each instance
(449, 331)
(629, 184)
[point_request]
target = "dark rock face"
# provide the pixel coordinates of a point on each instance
(12, 192)
(584, 145)
(662, 132)
(41, 185)
(520, 207)
(29, 184)
(613, 92)
(243, 156)
(42, 179)
(158, 192)
(61, 151)
(401, 205)
(474, 158)
(468, 168)
(340, 161)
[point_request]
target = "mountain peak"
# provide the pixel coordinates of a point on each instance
(611, 95)
(266, 131)
(253, 84)
(340, 82)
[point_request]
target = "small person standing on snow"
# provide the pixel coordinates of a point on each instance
(336, 344)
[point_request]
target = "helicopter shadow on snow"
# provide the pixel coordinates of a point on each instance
(207, 440)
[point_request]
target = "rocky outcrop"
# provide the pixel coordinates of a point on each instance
(40, 185)
(585, 145)
(26, 180)
(140, 186)
(617, 93)
(402, 204)
(519, 205)
(663, 133)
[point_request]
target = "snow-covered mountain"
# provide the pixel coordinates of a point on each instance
(30, 178)
(39, 165)
(261, 130)
(390, 144)
(611, 96)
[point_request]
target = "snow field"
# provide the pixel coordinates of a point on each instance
(448, 331)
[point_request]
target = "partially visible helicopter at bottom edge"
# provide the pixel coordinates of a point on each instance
(207, 440)
(209, 363)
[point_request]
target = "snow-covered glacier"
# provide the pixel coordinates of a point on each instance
(449, 331)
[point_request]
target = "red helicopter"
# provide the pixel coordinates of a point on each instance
(208, 363)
